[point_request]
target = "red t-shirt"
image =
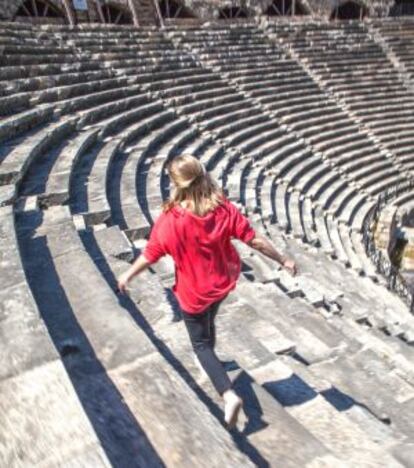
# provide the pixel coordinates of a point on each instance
(207, 264)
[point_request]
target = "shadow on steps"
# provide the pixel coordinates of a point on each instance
(125, 301)
(119, 433)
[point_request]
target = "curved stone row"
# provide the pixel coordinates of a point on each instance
(399, 37)
(373, 92)
(31, 355)
(86, 186)
(63, 246)
(265, 76)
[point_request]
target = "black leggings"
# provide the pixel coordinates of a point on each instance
(203, 338)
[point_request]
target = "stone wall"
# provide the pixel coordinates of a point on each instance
(386, 231)
(6, 9)
(318, 7)
(379, 8)
(208, 9)
(407, 260)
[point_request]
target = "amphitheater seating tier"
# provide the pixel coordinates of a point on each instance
(399, 37)
(91, 118)
(360, 91)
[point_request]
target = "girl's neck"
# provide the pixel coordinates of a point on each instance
(187, 205)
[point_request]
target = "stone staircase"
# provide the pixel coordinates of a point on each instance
(361, 89)
(396, 36)
(147, 14)
(91, 117)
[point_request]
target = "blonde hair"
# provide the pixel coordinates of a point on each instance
(192, 183)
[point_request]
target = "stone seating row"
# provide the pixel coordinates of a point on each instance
(12, 126)
(84, 119)
(168, 332)
(385, 322)
(97, 346)
(301, 116)
(399, 37)
(306, 214)
(88, 116)
(255, 323)
(21, 153)
(237, 193)
(384, 164)
(134, 179)
(212, 111)
(326, 69)
(65, 232)
(103, 184)
(30, 354)
(73, 249)
(238, 169)
(295, 327)
(73, 90)
(295, 212)
(126, 364)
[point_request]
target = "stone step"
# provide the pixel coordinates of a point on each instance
(367, 391)
(136, 216)
(271, 413)
(30, 355)
(58, 182)
(19, 123)
(126, 365)
(33, 83)
(307, 406)
(15, 165)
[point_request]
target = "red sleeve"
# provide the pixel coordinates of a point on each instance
(154, 249)
(240, 227)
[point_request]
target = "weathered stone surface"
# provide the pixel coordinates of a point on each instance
(10, 264)
(25, 339)
(129, 359)
(13, 126)
(23, 333)
(385, 232)
(43, 422)
(289, 442)
(7, 194)
(405, 454)
(368, 391)
(13, 168)
(99, 314)
(334, 429)
(113, 242)
(181, 428)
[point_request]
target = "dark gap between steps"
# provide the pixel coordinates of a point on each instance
(116, 428)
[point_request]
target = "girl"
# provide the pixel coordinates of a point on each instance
(196, 228)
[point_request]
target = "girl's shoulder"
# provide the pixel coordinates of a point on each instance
(228, 205)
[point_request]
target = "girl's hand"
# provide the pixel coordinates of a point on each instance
(290, 266)
(123, 281)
